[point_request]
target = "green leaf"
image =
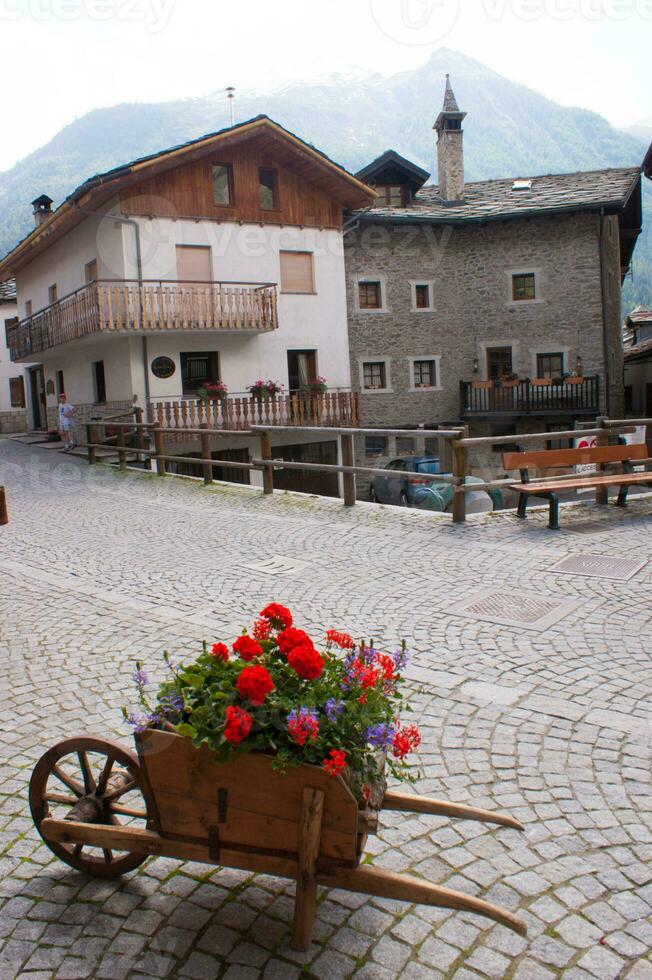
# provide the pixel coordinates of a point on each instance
(186, 730)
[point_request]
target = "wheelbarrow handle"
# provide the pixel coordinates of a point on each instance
(423, 804)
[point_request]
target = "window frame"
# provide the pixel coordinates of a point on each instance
(522, 271)
(384, 195)
(382, 292)
(275, 194)
(414, 285)
(90, 266)
(298, 292)
(53, 295)
(212, 355)
(549, 354)
(383, 439)
(99, 382)
(436, 360)
(17, 382)
(231, 184)
(374, 359)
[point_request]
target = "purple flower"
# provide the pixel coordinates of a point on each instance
(333, 708)
(400, 658)
(380, 736)
(302, 715)
(138, 722)
(140, 678)
(171, 703)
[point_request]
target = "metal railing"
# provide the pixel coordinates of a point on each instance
(458, 440)
(575, 395)
(126, 305)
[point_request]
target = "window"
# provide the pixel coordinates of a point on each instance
(196, 368)
(223, 184)
(194, 263)
(302, 368)
(550, 365)
(375, 446)
(267, 192)
(52, 293)
(17, 392)
(523, 286)
(28, 307)
(90, 271)
(629, 400)
(422, 297)
(370, 295)
(99, 383)
(390, 196)
(297, 272)
(425, 374)
(374, 374)
(59, 383)
(404, 446)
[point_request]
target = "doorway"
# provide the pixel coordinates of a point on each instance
(499, 362)
(38, 399)
(302, 368)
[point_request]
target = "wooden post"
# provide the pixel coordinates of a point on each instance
(140, 439)
(460, 470)
(92, 452)
(266, 453)
(348, 479)
(309, 840)
(206, 454)
(120, 440)
(601, 493)
(158, 448)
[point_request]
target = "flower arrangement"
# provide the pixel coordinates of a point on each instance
(213, 389)
(336, 705)
(265, 389)
(316, 386)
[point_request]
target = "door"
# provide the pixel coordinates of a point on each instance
(39, 403)
(99, 382)
(499, 362)
(302, 368)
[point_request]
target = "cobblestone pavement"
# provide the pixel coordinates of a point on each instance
(553, 724)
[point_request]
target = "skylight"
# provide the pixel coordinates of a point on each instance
(522, 185)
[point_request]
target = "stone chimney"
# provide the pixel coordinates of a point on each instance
(450, 148)
(42, 207)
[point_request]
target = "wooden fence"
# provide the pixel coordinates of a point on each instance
(459, 440)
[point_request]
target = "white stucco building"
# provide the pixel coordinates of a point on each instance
(221, 260)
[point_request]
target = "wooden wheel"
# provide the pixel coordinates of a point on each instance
(93, 781)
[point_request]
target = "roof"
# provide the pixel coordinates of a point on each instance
(494, 200)
(647, 163)
(639, 315)
(450, 102)
(639, 352)
(8, 291)
(98, 190)
(391, 160)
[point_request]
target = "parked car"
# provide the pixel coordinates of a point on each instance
(403, 492)
(432, 495)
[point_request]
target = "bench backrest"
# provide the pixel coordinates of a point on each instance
(550, 458)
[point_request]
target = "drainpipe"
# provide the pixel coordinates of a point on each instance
(139, 276)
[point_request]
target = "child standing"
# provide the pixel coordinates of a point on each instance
(66, 423)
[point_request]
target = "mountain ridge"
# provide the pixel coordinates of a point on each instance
(510, 131)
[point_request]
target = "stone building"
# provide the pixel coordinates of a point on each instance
(494, 303)
(638, 366)
(13, 379)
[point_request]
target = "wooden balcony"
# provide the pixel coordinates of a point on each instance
(331, 410)
(124, 307)
(571, 396)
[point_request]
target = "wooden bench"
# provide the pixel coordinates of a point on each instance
(549, 488)
(4, 512)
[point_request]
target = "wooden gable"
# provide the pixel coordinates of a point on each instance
(304, 196)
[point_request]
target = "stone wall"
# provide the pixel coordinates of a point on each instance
(13, 421)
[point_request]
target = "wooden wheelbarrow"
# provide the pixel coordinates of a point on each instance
(103, 809)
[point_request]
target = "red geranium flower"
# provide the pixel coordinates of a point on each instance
(254, 683)
(291, 638)
(278, 615)
(302, 725)
(262, 629)
(306, 661)
(368, 677)
(247, 648)
(406, 740)
(335, 763)
(342, 640)
(220, 651)
(238, 725)
(387, 666)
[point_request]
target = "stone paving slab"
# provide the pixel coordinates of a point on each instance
(99, 568)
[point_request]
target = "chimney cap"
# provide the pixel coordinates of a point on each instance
(42, 203)
(450, 109)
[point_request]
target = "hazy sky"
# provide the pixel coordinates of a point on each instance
(61, 58)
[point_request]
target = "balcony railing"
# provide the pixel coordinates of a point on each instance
(575, 396)
(125, 306)
(328, 410)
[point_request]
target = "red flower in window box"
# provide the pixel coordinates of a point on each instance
(238, 725)
(255, 683)
(220, 651)
(335, 763)
(291, 638)
(306, 661)
(341, 640)
(279, 616)
(247, 647)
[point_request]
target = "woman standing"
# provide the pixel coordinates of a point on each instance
(66, 423)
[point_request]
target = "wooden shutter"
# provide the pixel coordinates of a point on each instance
(17, 392)
(194, 263)
(90, 271)
(296, 272)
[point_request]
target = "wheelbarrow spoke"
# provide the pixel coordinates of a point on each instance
(127, 811)
(68, 781)
(89, 782)
(59, 798)
(104, 776)
(108, 855)
(115, 794)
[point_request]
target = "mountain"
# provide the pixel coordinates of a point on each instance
(510, 131)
